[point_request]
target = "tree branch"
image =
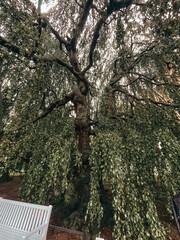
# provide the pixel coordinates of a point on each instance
(58, 103)
(10, 46)
(95, 7)
(81, 24)
(112, 7)
(13, 48)
(118, 118)
(58, 37)
(56, 34)
(120, 74)
(164, 103)
(167, 104)
(80, 5)
(94, 42)
(150, 80)
(116, 5)
(142, 54)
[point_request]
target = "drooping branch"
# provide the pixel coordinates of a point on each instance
(164, 103)
(47, 23)
(139, 57)
(10, 46)
(145, 78)
(142, 99)
(96, 8)
(50, 58)
(58, 103)
(112, 7)
(94, 41)
(16, 49)
(119, 74)
(58, 37)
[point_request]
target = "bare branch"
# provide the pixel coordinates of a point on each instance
(81, 24)
(80, 5)
(118, 118)
(56, 34)
(94, 41)
(58, 37)
(112, 7)
(45, 20)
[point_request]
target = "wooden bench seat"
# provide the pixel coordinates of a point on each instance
(19, 220)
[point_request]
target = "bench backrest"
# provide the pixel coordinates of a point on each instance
(23, 216)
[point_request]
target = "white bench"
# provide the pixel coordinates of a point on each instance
(19, 220)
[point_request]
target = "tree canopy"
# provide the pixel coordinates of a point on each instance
(90, 110)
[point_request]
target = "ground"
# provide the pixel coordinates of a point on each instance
(10, 191)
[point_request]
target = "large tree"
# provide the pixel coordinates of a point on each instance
(90, 115)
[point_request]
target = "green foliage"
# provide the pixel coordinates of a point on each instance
(135, 168)
(132, 111)
(47, 155)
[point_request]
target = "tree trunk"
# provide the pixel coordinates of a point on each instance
(82, 123)
(1, 115)
(1, 110)
(79, 179)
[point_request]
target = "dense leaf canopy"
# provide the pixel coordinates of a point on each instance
(90, 109)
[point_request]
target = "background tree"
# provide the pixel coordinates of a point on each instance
(93, 114)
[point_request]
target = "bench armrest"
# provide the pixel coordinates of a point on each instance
(34, 231)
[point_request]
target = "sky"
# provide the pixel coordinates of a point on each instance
(45, 7)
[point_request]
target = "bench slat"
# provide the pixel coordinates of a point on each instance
(10, 210)
(16, 224)
(11, 234)
(18, 219)
(25, 219)
(6, 201)
(13, 216)
(29, 219)
(21, 217)
(14, 221)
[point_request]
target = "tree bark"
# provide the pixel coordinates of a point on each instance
(80, 178)
(82, 124)
(1, 114)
